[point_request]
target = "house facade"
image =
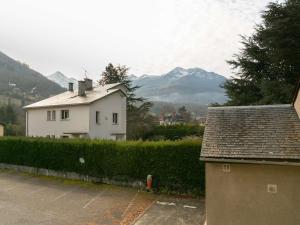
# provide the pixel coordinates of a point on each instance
(252, 160)
(1, 129)
(89, 112)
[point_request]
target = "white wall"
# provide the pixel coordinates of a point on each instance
(82, 119)
(114, 103)
(38, 126)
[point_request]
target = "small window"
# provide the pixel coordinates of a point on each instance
(115, 118)
(53, 115)
(226, 168)
(48, 115)
(65, 114)
(97, 117)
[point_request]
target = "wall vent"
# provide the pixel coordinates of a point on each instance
(226, 168)
(272, 188)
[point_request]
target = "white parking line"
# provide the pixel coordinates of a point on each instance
(63, 194)
(37, 190)
(11, 188)
(129, 205)
(93, 199)
(60, 196)
(166, 203)
(190, 207)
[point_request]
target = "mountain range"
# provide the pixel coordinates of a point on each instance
(194, 85)
(181, 85)
(62, 80)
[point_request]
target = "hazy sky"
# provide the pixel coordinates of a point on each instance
(149, 36)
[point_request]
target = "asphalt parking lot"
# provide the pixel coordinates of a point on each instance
(33, 200)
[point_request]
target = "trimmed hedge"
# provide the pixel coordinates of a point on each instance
(174, 165)
(174, 132)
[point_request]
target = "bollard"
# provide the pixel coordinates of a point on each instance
(149, 182)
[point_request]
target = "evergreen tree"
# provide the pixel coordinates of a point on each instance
(268, 66)
(138, 118)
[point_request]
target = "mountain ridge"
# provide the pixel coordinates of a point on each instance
(19, 80)
(180, 85)
(61, 79)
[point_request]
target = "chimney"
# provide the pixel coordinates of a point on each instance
(88, 84)
(81, 88)
(71, 87)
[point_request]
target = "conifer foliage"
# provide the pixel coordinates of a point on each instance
(268, 66)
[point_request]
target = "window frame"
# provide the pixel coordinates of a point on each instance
(63, 114)
(113, 118)
(48, 117)
(53, 115)
(98, 121)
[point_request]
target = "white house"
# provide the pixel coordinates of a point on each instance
(91, 112)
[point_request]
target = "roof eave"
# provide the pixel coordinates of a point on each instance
(251, 161)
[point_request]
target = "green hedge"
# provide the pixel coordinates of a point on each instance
(175, 165)
(174, 132)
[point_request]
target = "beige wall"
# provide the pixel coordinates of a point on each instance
(240, 197)
(297, 104)
(1, 130)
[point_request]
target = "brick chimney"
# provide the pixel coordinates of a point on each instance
(88, 84)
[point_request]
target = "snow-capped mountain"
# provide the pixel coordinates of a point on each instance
(181, 85)
(62, 80)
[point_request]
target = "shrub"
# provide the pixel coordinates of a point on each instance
(174, 165)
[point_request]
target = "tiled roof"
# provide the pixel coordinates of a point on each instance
(252, 132)
(72, 97)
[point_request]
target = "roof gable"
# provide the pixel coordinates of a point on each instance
(252, 132)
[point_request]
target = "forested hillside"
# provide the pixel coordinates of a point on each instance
(18, 80)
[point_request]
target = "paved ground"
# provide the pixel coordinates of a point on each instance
(30, 200)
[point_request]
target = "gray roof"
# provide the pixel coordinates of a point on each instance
(252, 132)
(72, 97)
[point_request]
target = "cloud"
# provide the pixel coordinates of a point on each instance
(149, 36)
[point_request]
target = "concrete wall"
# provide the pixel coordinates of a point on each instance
(1, 130)
(114, 103)
(297, 104)
(241, 197)
(38, 126)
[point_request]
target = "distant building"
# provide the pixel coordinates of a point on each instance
(171, 119)
(252, 161)
(89, 112)
(1, 129)
(201, 120)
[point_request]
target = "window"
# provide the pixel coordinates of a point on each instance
(115, 118)
(53, 115)
(48, 115)
(97, 117)
(120, 137)
(65, 114)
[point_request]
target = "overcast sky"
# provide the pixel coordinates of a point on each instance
(149, 36)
